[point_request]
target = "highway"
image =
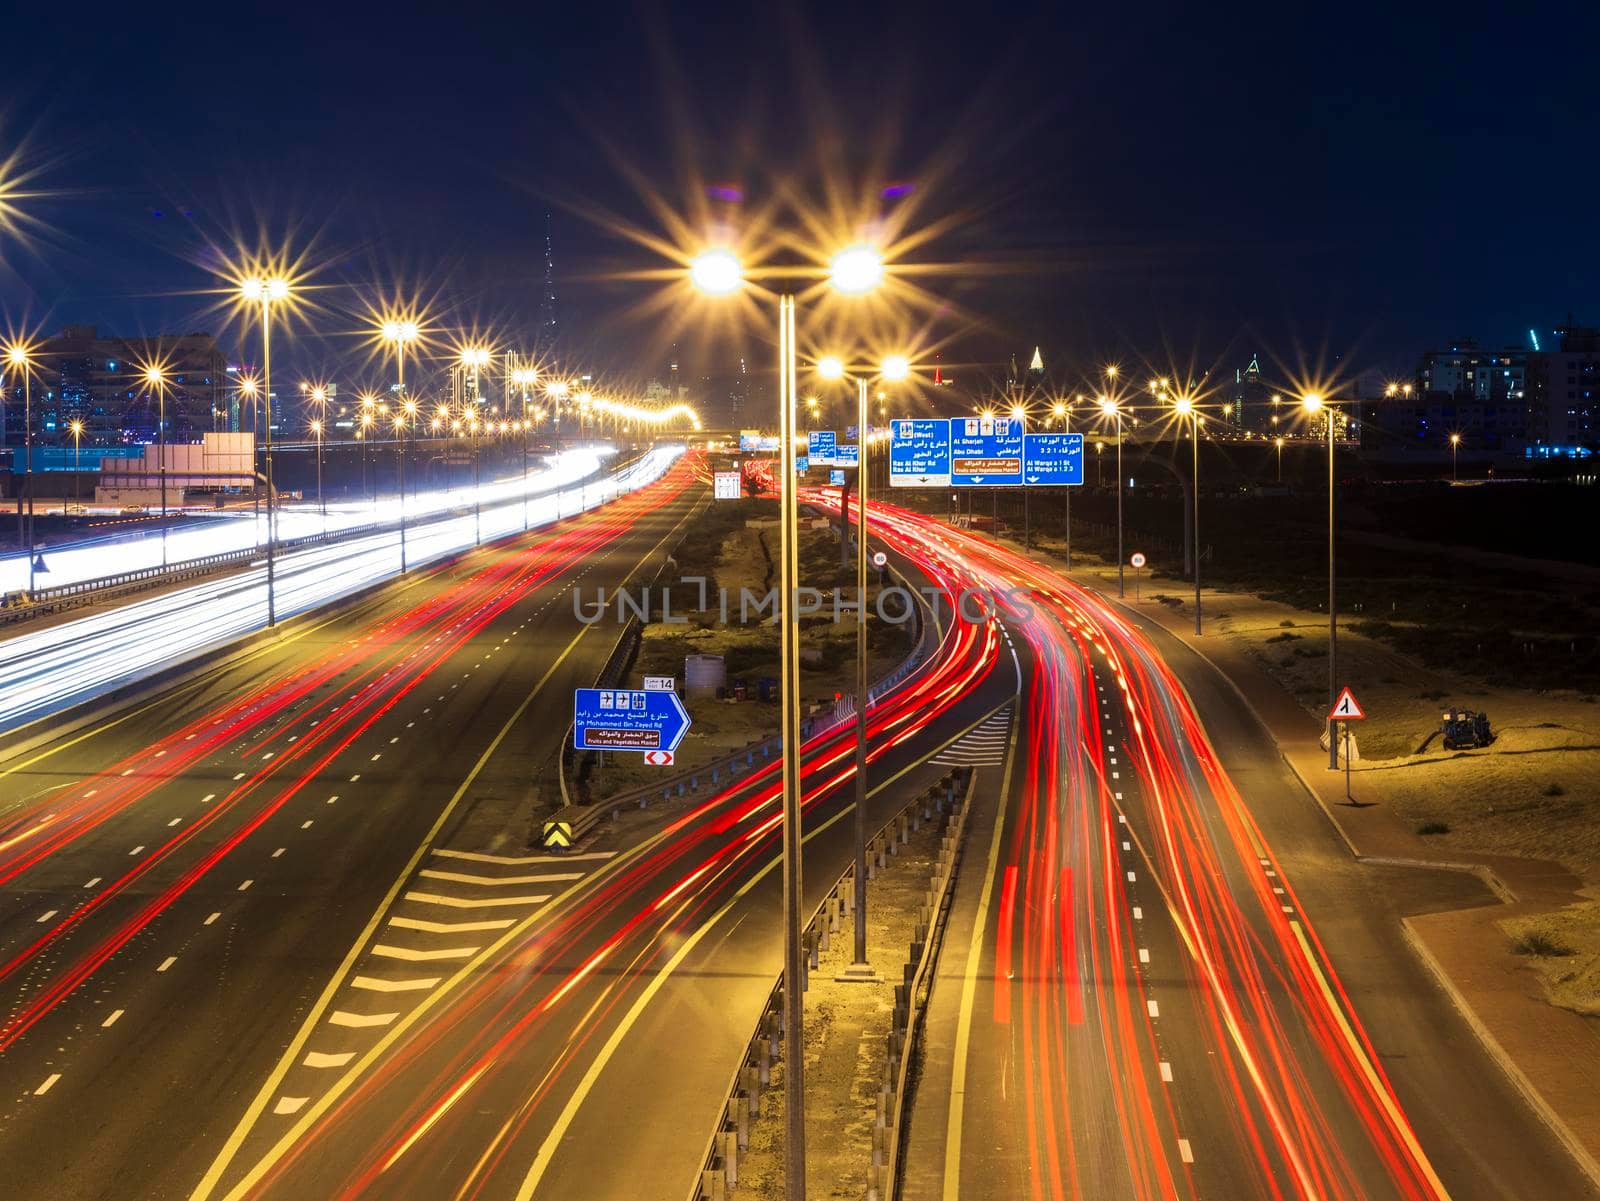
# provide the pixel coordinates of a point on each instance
(276, 932)
(1164, 976)
(181, 879)
(45, 670)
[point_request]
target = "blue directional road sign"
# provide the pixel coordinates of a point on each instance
(846, 456)
(986, 452)
(836, 478)
(819, 447)
(919, 453)
(1053, 459)
(802, 464)
(627, 719)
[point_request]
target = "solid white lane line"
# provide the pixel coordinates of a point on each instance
(428, 898)
(49, 1083)
(373, 984)
(359, 1021)
(167, 962)
(411, 956)
(417, 923)
(464, 878)
(481, 857)
(327, 1059)
(111, 1018)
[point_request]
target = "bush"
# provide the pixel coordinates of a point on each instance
(1540, 945)
(1554, 789)
(1427, 828)
(1286, 624)
(1283, 638)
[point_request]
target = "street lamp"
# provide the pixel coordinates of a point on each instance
(400, 334)
(156, 378)
(856, 271)
(1184, 405)
(1278, 442)
(1313, 403)
(474, 359)
(75, 427)
(1455, 444)
(316, 428)
(1110, 408)
(19, 358)
(266, 293)
(893, 369)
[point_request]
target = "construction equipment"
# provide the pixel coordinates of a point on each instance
(1464, 728)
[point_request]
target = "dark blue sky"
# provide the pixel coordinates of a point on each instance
(1199, 182)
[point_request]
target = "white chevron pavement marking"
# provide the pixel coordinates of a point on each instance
(373, 984)
(478, 857)
(326, 1059)
(288, 1105)
(429, 898)
(422, 956)
(417, 923)
(463, 878)
(358, 1021)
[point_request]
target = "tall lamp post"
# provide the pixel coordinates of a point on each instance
(20, 359)
(718, 272)
(156, 378)
(1185, 407)
(75, 427)
(316, 428)
(893, 369)
(1455, 444)
(267, 292)
(1110, 408)
(474, 359)
(1314, 403)
(400, 334)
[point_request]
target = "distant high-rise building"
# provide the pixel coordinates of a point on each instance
(1477, 392)
(81, 376)
(547, 306)
(1248, 403)
(1564, 395)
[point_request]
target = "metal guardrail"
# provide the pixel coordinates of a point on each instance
(719, 1174)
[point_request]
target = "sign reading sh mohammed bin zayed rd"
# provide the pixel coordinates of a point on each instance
(627, 719)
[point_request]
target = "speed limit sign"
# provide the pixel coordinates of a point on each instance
(1137, 559)
(879, 558)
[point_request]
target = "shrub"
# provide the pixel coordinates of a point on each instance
(1427, 828)
(1553, 789)
(1541, 945)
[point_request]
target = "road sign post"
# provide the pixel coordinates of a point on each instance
(1136, 561)
(1345, 710)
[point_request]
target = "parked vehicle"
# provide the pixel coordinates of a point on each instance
(1464, 728)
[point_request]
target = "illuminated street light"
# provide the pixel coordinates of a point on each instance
(1313, 403)
(75, 428)
(1184, 406)
(830, 367)
(19, 357)
(856, 270)
(1455, 444)
(1109, 408)
(716, 272)
(895, 368)
(155, 377)
(266, 293)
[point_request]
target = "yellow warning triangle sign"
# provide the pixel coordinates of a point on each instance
(1346, 708)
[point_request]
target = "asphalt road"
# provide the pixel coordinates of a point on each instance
(180, 882)
(1164, 975)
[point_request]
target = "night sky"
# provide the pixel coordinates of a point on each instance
(1130, 181)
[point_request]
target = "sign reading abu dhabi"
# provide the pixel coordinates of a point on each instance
(986, 451)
